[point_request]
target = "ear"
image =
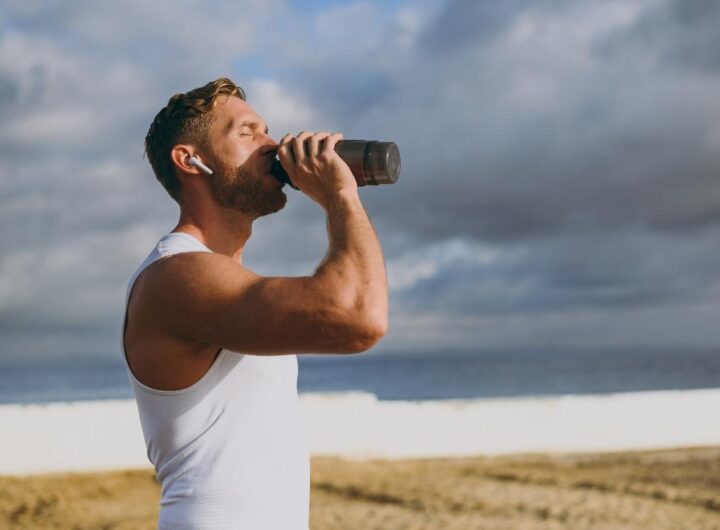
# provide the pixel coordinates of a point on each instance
(180, 156)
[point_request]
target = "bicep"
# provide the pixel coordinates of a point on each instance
(213, 299)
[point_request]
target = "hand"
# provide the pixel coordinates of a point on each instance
(313, 165)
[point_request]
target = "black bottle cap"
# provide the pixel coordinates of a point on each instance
(382, 162)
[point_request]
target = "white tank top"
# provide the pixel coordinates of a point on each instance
(230, 451)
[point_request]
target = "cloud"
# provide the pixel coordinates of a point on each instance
(278, 106)
(684, 35)
(535, 132)
(584, 169)
(560, 160)
(461, 25)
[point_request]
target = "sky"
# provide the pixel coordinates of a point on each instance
(560, 180)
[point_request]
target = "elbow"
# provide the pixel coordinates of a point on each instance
(379, 328)
(368, 319)
(369, 336)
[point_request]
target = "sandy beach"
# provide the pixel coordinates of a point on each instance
(646, 460)
(667, 489)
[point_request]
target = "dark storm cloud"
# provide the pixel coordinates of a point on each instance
(685, 33)
(461, 24)
(535, 131)
(9, 91)
(344, 91)
(571, 273)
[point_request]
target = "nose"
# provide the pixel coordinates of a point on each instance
(269, 146)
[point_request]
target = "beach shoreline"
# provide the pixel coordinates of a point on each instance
(106, 434)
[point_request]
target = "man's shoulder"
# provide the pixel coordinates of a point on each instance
(154, 336)
(172, 285)
(189, 274)
(192, 265)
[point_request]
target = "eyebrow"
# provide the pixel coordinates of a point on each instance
(248, 123)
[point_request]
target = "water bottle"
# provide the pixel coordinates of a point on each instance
(371, 162)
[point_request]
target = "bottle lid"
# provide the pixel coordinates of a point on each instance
(382, 162)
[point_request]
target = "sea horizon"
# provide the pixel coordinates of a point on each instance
(413, 376)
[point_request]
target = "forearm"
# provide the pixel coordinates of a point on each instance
(354, 268)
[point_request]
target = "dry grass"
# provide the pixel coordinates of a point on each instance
(677, 489)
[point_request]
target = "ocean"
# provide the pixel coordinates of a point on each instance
(429, 375)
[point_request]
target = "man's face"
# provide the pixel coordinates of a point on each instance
(241, 155)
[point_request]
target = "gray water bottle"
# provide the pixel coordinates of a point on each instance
(371, 162)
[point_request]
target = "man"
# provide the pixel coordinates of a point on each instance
(210, 345)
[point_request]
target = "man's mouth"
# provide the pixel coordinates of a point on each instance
(274, 178)
(269, 170)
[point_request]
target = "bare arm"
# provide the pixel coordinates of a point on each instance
(208, 298)
(354, 266)
(342, 308)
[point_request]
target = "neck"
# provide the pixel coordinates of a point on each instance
(221, 230)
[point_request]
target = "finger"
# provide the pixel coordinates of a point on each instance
(287, 159)
(285, 153)
(331, 141)
(314, 143)
(285, 142)
(299, 147)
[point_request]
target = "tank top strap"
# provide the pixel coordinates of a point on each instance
(170, 244)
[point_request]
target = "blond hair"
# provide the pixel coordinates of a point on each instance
(184, 120)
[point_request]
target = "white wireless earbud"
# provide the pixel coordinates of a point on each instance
(194, 161)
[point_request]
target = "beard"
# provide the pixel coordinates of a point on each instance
(243, 190)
